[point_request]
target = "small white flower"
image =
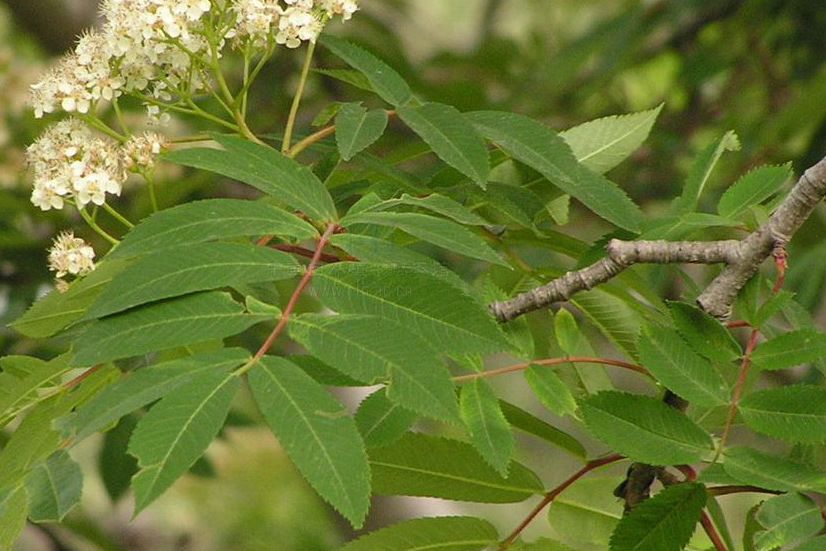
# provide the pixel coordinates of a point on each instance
(69, 161)
(297, 24)
(71, 255)
(141, 151)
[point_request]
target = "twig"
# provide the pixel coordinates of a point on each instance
(548, 362)
(553, 494)
(308, 275)
(712, 533)
(742, 258)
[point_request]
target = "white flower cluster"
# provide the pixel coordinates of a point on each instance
(71, 255)
(300, 21)
(153, 47)
(141, 151)
(69, 161)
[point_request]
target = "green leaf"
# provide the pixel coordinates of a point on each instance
(436, 203)
(429, 534)
(168, 324)
(585, 515)
(663, 523)
(814, 544)
(604, 143)
(441, 232)
(422, 465)
(265, 169)
(115, 465)
(451, 137)
(753, 188)
(57, 310)
(385, 81)
(756, 468)
(542, 544)
(701, 171)
(35, 438)
(539, 147)
(675, 364)
(382, 422)
(490, 432)
(357, 128)
(644, 428)
(354, 78)
(705, 334)
(208, 220)
(790, 349)
(787, 519)
(317, 434)
(20, 379)
(143, 387)
(551, 391)
(796, 413)
(380, 251)
(190, 268)
(177, 430)
(13, 513)
(54, 487)
(373, 349)
(526, 422)
(573, 343)
(612, 316)
(446, 317)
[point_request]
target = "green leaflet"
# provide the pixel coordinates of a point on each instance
(168, 324)
(679, 368)
(54, 487)
(13, 513)
(381, 251)
(796, 412)
(384, 81)
(115, 465)
(663, 523)
(382, 422)
(190, 268)
(441, 232)
(430, 534)
(422, 465)
(644, 428)
(56, 311)
(265, 169)
(317, 434)
(753, 188)
(177, 430)
(550, 390)
(574, 343)
(754, 467)
(539, 147)
(451, 137)
(526, 422)
(790, 349)
(706, 335)
(443, 315)
(20, 379)
(434, 202)
(584, 515)
(209, 220)
(357, 128)
(701, 172)
(373, 349)
(490, 432)
(143, 387)
(787, 519)
(604, 143)
(35, 438)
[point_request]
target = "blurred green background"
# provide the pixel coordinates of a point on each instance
(755, 66)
